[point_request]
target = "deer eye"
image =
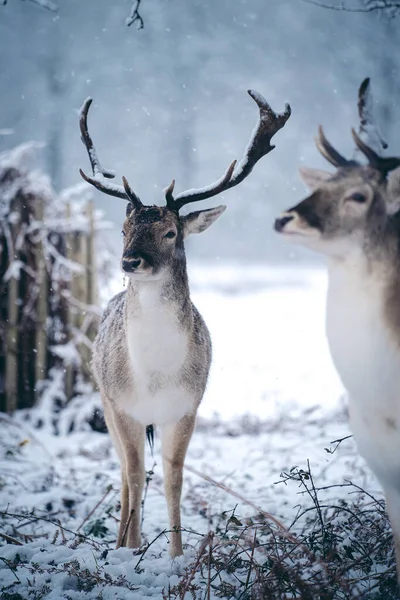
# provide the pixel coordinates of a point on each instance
(170, 235)
(358, 197)
(123, 233)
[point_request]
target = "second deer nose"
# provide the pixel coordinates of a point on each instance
(130, 264)
(280, 223)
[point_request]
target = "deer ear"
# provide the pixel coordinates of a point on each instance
(129, 209)
(200, 220)
(313, 177)
(393, 190)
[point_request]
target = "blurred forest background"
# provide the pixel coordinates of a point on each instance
(170, 99)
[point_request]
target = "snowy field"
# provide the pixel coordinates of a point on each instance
(273, 402)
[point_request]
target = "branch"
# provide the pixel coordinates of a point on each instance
(134, 16)
(46, 4)
(379, 5)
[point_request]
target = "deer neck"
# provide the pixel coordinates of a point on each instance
(158, 322)
(168, 293)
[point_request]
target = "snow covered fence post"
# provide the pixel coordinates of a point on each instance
(11, 325)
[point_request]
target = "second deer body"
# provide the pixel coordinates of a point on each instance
(353, 218)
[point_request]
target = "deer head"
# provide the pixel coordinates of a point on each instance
(347, 210)
(154, 235)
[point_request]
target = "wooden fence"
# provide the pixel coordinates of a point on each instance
(48, 292)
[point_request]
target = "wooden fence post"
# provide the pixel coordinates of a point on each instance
(69, 371)
(11, 370)
(42, 303)
(11, 382)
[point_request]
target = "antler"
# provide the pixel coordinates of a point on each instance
(100, 175)
(382, 164)
(259, 145)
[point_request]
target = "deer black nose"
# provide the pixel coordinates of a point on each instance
(130, 264)
(280, 223)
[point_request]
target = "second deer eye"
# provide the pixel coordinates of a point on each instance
(357, 197)
(170, 235)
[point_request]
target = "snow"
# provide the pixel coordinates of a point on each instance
(273, 401)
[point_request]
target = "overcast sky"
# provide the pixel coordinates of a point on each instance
(170, 100)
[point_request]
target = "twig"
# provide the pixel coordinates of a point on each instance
(134, 16)
(251, 560)
(55, 523)
(222, 486)
(164, 532)
(203, 546)
(148, 479)
(210, 547)
(5, 561)
(109, 488)
(64, 539)
(126, 526)
(42, 3)
(337, 442)
(10, 539)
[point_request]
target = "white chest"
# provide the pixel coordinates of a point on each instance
(156, 343)
(368, 362)
(358, 340)
(158, 349)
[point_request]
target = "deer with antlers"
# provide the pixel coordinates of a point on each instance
(152, 354)
(353, 217)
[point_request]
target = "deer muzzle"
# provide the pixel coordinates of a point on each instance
(282, 221)
(129, 265)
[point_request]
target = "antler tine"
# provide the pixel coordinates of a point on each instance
(131, 194)
(383, 164)
(169, 194)
(99, 173)
(268, 125)
(329, 152)
(201, 194)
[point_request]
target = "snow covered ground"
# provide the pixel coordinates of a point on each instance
(273, 401)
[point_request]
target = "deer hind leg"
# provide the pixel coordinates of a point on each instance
(175, 440)
(393, 510)
(128, 436)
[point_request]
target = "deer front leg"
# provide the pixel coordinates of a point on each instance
(131, 436)
(175, 440)
(112, 430)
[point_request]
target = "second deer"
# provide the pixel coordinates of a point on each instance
(352, 217)
(152, 354)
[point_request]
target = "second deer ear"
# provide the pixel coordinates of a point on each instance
(313, 177)
(393, 188)
(200, 220)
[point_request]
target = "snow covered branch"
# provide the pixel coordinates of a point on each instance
(43, 3)
(390, 7)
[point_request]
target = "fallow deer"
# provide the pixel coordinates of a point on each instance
(152, 354)
(352, 217)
